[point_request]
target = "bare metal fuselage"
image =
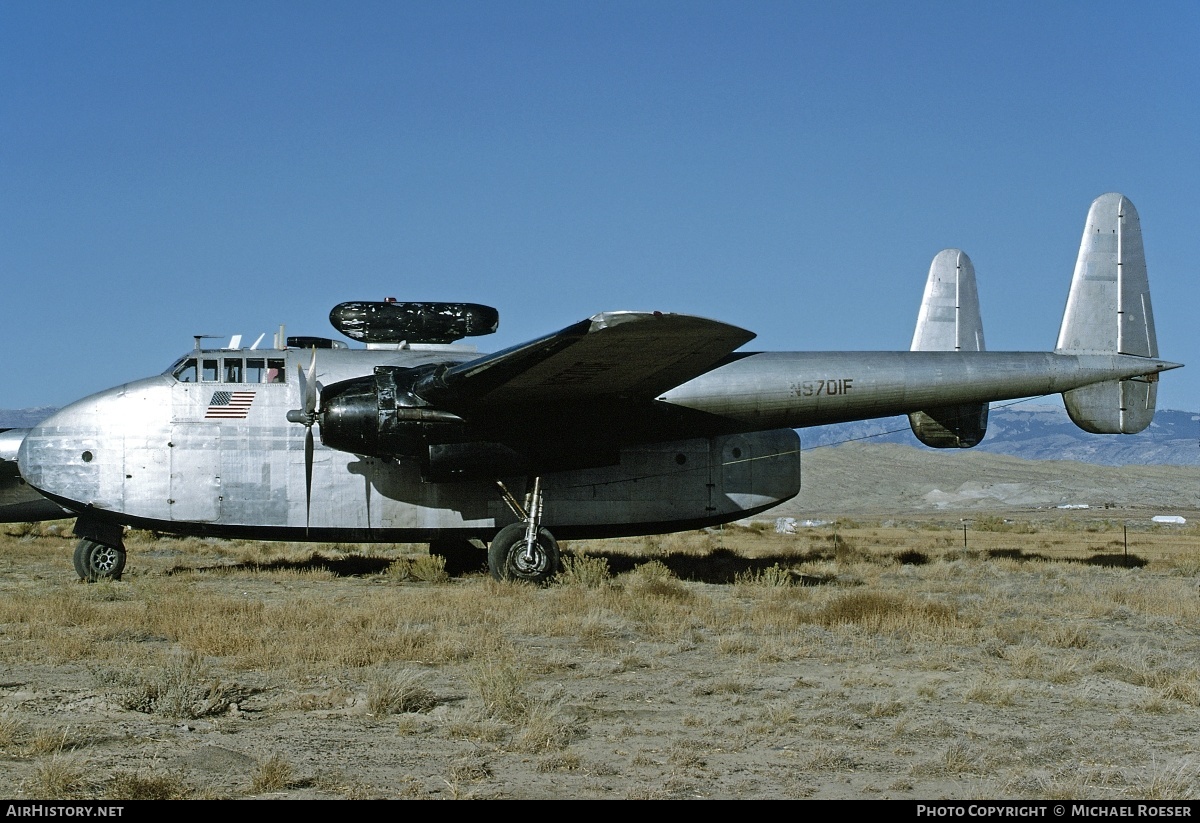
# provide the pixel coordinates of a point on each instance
(170, 455)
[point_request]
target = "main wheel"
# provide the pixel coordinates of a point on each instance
(507, 558)
(96, 561)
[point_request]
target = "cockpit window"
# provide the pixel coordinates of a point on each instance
(229, 370)
(185, 370)
(255, 369)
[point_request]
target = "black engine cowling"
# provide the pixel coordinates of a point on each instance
(379, 415)
(382, 416)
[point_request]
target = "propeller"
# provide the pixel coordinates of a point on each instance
(307, 416)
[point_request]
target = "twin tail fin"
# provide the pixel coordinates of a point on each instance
(1108, 312)
(949, 320)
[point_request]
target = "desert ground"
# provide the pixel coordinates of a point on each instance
(900, 644)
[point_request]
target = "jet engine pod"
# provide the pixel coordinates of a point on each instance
(392, 322)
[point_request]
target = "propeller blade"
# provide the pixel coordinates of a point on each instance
(308, 469)
(310, 386)
(307, 416)
(303, 388)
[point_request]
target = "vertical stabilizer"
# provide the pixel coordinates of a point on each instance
(949, 320)
(1108, 312)
(1108, 309)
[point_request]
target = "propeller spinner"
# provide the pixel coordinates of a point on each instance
(307, 416)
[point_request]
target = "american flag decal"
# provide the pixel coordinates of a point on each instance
(229, 405)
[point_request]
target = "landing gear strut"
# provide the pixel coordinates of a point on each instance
(525, 550)
(97, 561)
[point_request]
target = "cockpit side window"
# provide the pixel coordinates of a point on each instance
(256, 368)
(230, 370)
(185, 371)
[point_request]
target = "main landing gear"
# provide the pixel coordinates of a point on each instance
(524, 550)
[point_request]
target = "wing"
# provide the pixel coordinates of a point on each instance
(634, 355)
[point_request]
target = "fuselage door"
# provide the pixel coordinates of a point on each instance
(195, 452)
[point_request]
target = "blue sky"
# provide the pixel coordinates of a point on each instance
(171, 169)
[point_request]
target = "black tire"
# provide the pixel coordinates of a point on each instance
(461, 555)
(80, 549)
(506, 555)
(96, 561)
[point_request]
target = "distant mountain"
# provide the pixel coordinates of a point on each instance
(1043, 433)
(1030, 432)
(24, 418)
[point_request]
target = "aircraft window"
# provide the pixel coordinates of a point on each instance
(185, 372)
(210, 370)
(256, 369)
(233, 370)
(276, 370)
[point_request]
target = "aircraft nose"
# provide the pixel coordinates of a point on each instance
(78, 455)
(55, 456)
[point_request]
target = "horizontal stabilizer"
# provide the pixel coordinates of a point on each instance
(949, 320)
(1108, 312)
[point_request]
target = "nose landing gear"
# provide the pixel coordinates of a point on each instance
(100, 554)
(96, 561)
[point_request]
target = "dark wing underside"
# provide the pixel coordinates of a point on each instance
(617, 355)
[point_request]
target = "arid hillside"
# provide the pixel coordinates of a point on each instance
(857, 479)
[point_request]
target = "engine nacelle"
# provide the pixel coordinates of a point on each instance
(379, 415)
(383, 416)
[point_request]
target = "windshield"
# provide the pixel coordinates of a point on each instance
(210, 367)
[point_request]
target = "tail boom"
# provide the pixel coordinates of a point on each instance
(798, 389)
(1105, 363)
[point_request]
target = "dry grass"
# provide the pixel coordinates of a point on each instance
(399, 693)
(272, 775)
(823, 648)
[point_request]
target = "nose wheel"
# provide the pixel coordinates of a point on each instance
(97, 561)
(525, 550)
